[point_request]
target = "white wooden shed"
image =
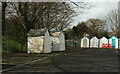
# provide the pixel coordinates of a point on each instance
(94, 42)
(84, 42)
(39, 41)
(119, 43)
(114, 41)
(58, 40)
(103, 40)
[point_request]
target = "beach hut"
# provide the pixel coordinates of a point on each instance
(103, 40)
(39, 41)
(84, 42)
(114, 41)
(58, 40)
(94, 42)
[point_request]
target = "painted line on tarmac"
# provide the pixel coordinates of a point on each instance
(26, 63)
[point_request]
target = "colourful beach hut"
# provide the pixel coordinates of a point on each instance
(103, 40)
(114, 41)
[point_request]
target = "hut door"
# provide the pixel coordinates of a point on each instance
(85, 43)
(113, 43)
(93, 43)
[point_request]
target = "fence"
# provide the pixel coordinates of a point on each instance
(73, 43)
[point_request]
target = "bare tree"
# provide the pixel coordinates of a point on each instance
(52, 15)
(95, 26)
(4, 5)
(112, 21)
(37, 15)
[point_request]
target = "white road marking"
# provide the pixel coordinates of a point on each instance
(116, 51)
(26, 63)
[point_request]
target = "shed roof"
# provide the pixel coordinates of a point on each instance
(55, 33)
(37, 32)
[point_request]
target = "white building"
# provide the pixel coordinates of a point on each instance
(94, 42)
(58, 40)
(84, 42)
(119, 43)
(103, 40)
(39, 41)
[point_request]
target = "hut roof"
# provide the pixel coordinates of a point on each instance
(94, 37)
(37, 32)
(103, 37)
(113, 37)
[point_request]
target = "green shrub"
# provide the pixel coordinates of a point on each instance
(11, 46)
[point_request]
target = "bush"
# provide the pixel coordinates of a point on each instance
(11, 46)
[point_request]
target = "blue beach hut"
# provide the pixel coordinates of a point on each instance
(114, 41)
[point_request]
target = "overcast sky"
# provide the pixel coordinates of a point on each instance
(101, 9)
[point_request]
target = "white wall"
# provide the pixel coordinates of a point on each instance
(119, 44)
(35, 44)
(55, 43)
(47, 43)
(62, 41)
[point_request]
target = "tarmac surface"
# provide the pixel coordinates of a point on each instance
(74, 59)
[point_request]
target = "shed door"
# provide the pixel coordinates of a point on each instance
(113, 43)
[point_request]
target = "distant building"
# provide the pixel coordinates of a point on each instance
(110, 34)
(86, 35)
